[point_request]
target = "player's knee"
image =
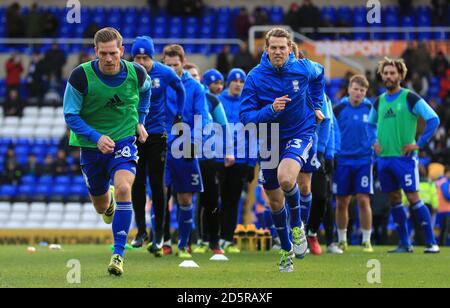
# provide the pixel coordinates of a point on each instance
(395, 197)
(305, 188)
(363, 201)
(287, 182)
(123, 190)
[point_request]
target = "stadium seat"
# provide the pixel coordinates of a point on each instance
(36, 217)
(25, 192)
(175, 31)
(90, 217)
(38, 207)
(4, 217)
(73, 207)
(328, 13)
(59, 192)
(63, 180)
(53, 217)
(20, 207)
(8, 192)
(41, 193)
(31, 111)
(28, 179)
(71, 217)
(56, 207)
(5, 207)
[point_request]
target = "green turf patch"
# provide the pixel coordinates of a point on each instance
(247, 270)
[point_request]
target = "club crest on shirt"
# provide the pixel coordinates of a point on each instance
(156, 83)
(295, 84)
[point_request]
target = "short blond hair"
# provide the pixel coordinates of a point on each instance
(397, 63)
(278, 32)
(107, 35)
(359, 80)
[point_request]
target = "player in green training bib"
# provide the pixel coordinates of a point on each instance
(395, 114)
(105, 105)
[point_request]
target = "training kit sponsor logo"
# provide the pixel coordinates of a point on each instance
(114, 102)
(390, 114)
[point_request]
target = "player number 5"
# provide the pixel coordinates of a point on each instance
(408, 180)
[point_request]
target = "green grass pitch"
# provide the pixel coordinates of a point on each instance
(248, 270)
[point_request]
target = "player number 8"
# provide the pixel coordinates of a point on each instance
(365, 182)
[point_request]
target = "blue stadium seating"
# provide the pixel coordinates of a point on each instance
(42, 192)
(26, 192)
(328, 13)
(8, 192)
(45, 180)
(276, 15)
(78, 180)
(59, 192)
(29, 179)
(63, 180)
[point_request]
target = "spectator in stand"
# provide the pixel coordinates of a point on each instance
(193, 7)
(60, 166)
(185, 7)
(32, 166)
(242, 24)
(64, 143)
(35, 78)
(83, 57)
(309, 16)
(14, 70)
(15, 25)
(223, 60)
(291, 17)
(53, 94)
(75, 168)
(439, 15)
(50, 24)
(374, 86)
(418, 84)
(260, 17)
(244, 59)
(444, 92)
(422, 64)
(49, 164)
(34, 22)
(443, 188)
(154, 7)
(13, 105)
(12, 174)
(440, 64)
(55, 59)
(10, 157)
(406, 7)
(409, 57)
